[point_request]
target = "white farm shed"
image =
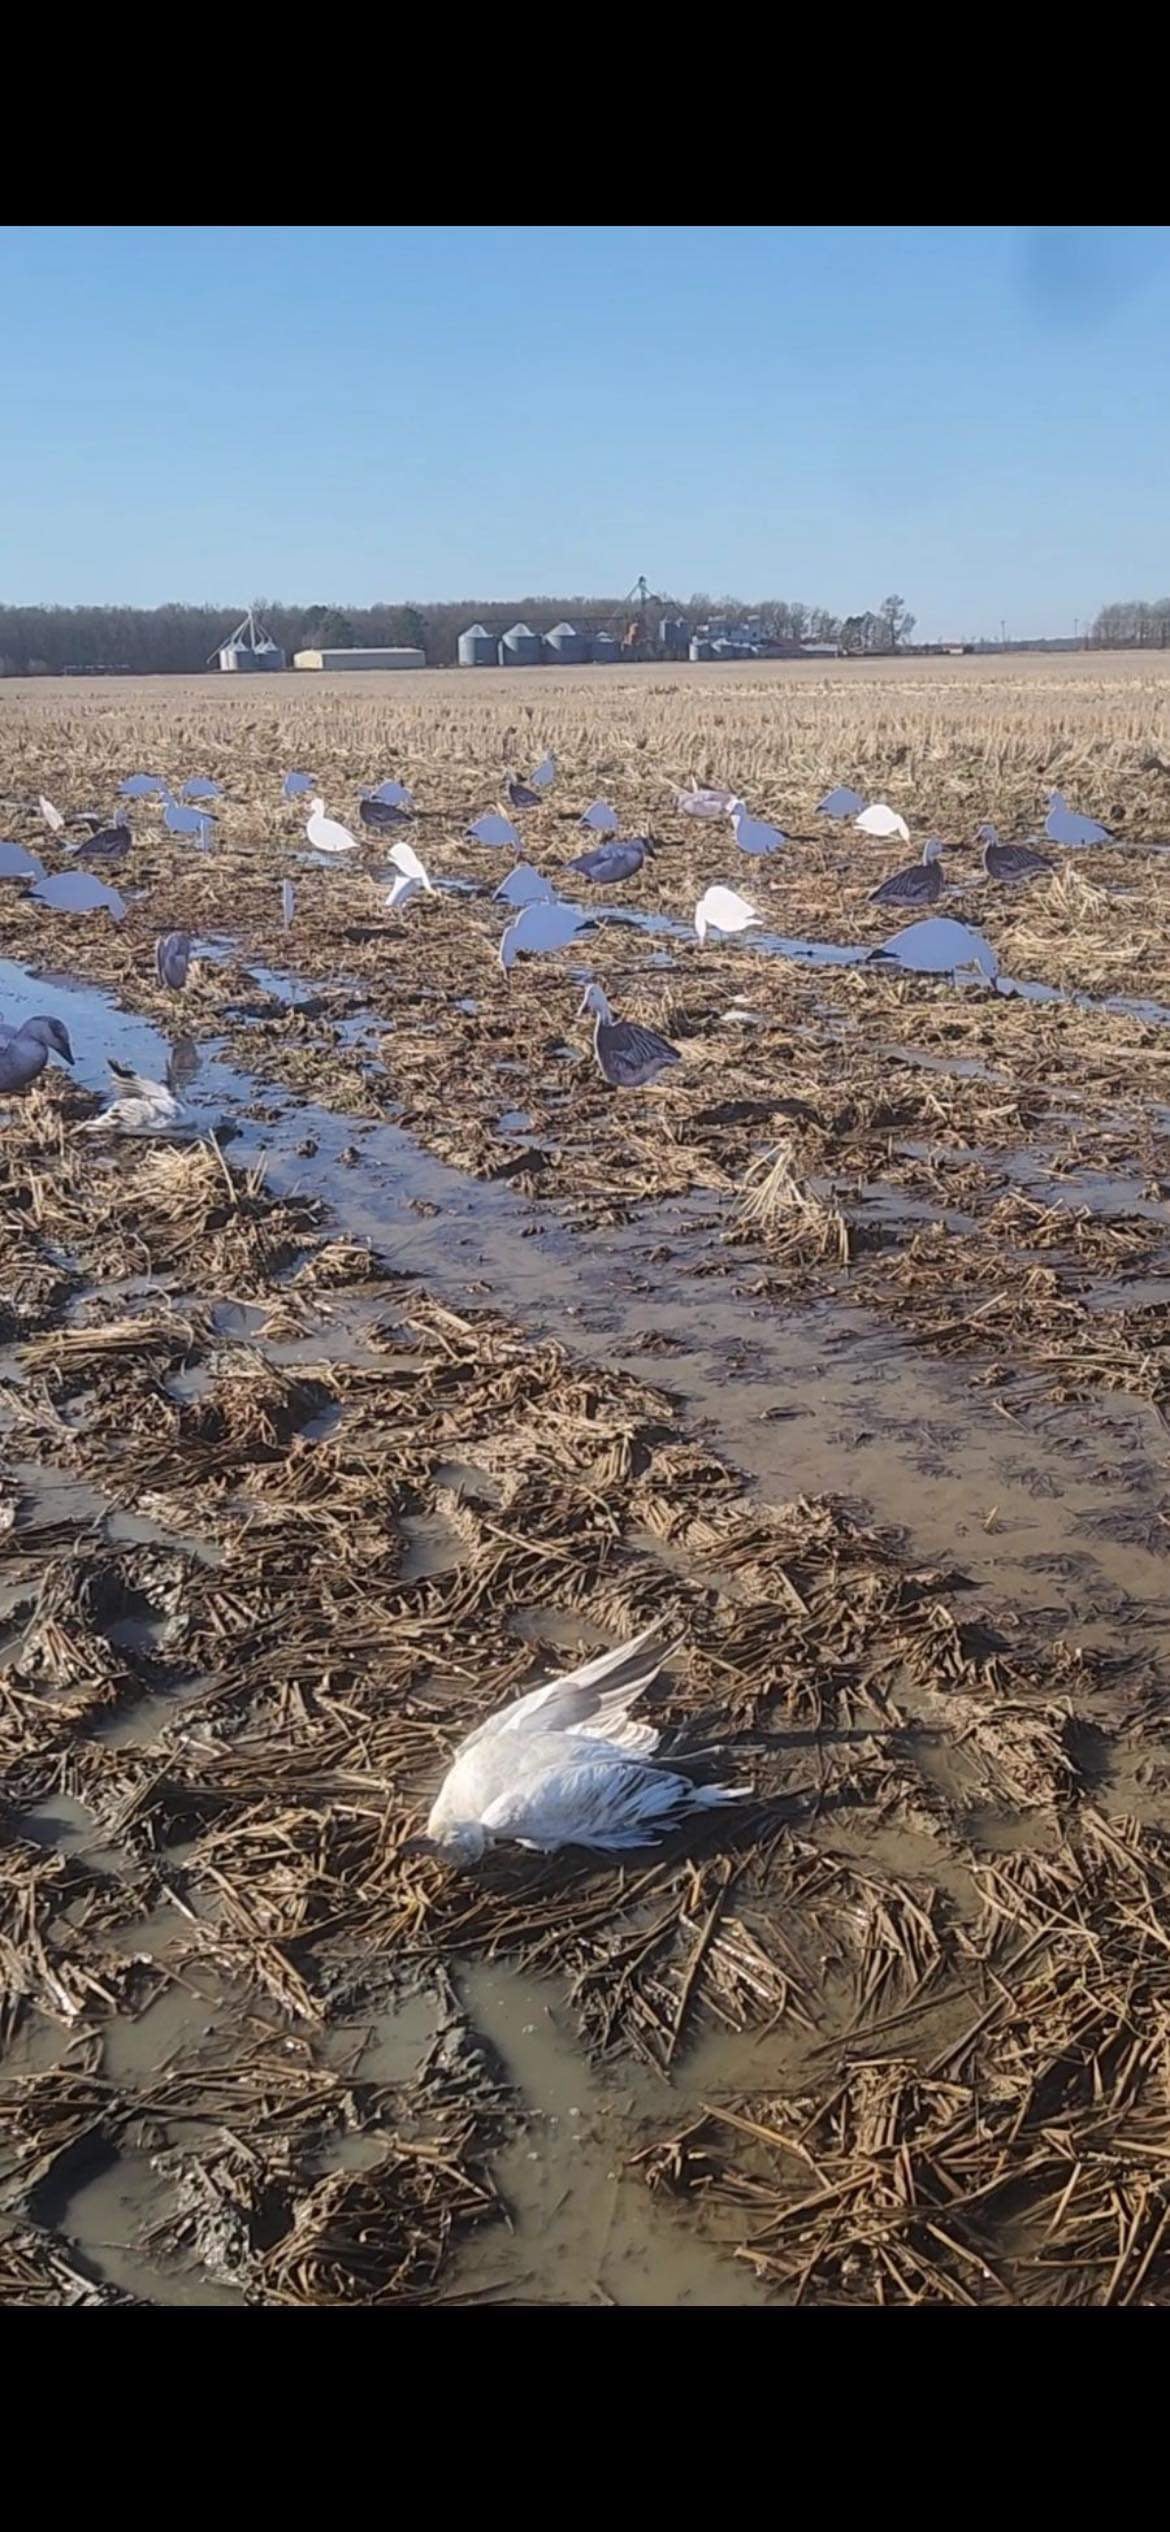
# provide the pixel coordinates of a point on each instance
(360, 659)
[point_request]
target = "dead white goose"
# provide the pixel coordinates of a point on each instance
(568, 1766)
(627, 1055)
(147, 1108)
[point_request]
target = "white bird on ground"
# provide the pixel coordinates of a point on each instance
(754, 835)
(841, 803)
(525, 886)
(145, 1108)
(600, 817)
(709, 803)
(941, 947)
(52, 817)
(568, 1766)
(412, 876)
(1066, 826)
(545, 774)
(722, 910)
(494, 827)
(326, 835)
(880, 820)
(547, 924)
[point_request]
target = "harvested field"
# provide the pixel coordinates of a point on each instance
(843, 1350)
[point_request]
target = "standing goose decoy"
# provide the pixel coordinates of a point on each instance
(1011, 864)
(754, 835)
(921, 885)
(723, 910)
(25, 1051)
(607, 863)
(628, 1056)
(545, 774)
(172, 960)
(327, 835)
(179, 820)
(1066, 826)
(568, 1766)
(109, 844)
(546, 924)
(520, 795)
(382, 814)
(879, 819)
(841, 803)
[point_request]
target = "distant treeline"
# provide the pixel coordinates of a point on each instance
(179, 641)
(1133, 620)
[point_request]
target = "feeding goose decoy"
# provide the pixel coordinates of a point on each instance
(141, 786)
(1067, 826)
(607, 863)
(412, 876)
(627, 1055)
(1011, 864)
(16, 863)
(108, 844)
(200, 787)
(921, 885)
(525, 886)
(382, 814)
(25, 1051)
(841, 803)
(327, 835)
(880, 819)
(754, 835)
(520, 795)
(938, 946)
(298, 786)
(601, 816)
(145, 1107)
(494, 828)
(723, 910)
(712, 802)
(172, 960)
(392, 794)
(546, 924)
(568, 1766)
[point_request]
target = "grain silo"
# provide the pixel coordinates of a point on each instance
(566, 647)
(249, 649)
(477, 647)
(606, 648)
(521, 648)
(700, 648)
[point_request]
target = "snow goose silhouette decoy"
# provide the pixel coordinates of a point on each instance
(25, 1051)
(567, 1765)
(525, 886)
(141, 787)
(327, 835)
(938, 946)
(494, 827)
(172, 960)
(600, 817)
(178, 819)
(298, 786)
(545, 774)
(412, 877)
(1011, 864)
(545, 924)
(605, 864)
(841, 803)
(51, 815)
(921, 885)
(712, 802)
(628, 1056)
(880, 819)
(392, 794)
(723, 910)
(754, 835)
(288, 903)
(1066, 826)
(200, 787)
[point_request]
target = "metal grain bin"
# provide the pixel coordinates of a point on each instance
(701, 650)
(521, 648)
(672, 636)
(606, 648)
(566, 646)
(477, 647)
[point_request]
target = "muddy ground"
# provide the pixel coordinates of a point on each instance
(430, 1361)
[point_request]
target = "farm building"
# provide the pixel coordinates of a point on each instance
(249, 649)
(404, 658)
(477, 647)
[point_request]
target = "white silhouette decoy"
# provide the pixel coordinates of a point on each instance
(600, 817)
(546, 924)
(412, 877)
(79, 892)
(1066, 826)
(395, 795)
(52, 816)
(297, 786)
(722, 910)
(711, 802)
(941, 947)
(200, 787)
(525, 886)
(754, 835)
(494, 827)
(627, 1055)
(327, 835)
(15, 863)
(879, 819)
(141, 786)
(545, 774)
(568, 1766)
(921, 885)
(183, 821)
(841, 803)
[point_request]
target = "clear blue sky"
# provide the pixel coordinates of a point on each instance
(975, 417)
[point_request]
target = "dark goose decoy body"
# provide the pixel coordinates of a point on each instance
(109, 844)
(628, 1056)
(1011, 864)
(382, 814)
(608, 863)
(172, 959)
(520, 795)
(921, 885)
(24, 1052)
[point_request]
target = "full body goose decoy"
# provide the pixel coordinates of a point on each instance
(880, 819)
(921, 885)
(383, 814)
(627, 1055)
(1010, 864)
(567, 1766)
(172, 960)
(25, 1051)
(520, 795)
(606, 864)
(1067, 826)
(327, 835)
(755, 835)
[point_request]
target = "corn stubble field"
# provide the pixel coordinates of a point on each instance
(844, 1351)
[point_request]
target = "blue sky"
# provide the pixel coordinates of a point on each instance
(976, 417)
